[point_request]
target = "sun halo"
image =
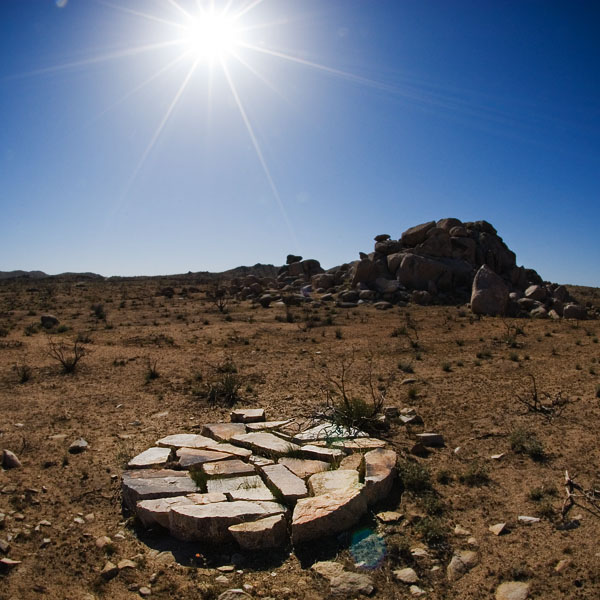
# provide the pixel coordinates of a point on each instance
(211, 35)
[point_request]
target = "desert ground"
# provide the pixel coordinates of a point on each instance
(149, 362)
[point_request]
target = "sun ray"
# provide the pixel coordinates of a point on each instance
(160, 127)
(140, 86)
(259, 153)
(260, 76)
(97, 59)
(180, 8)
(248, 8)
(141, 14)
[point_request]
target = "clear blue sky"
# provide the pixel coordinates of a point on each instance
(129, 145)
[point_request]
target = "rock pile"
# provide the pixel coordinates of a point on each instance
(259, 482)
(446, 262)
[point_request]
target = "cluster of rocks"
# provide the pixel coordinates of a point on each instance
(258, 482)
(447, 261)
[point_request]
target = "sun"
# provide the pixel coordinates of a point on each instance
(211, 35)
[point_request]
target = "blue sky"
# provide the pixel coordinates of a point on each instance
(126, 148)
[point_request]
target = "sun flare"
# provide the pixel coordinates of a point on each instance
(211, 35)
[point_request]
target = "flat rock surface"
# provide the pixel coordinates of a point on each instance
(288, 485)
(231, 484)
(252, 494)
(186, 440)
(138, 488)
(211, 521)
(192, 458)
(265, 443)
(266, 425)
(315, 452)
(227, 468)
(380, 472)
(223, 431)
(270, 532)
(320, 516)
(330, 481)
(513, 590)
(247, 415)
(328, 432)
(304, 468)
(153, 457)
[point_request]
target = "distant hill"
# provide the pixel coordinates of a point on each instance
(22, 275)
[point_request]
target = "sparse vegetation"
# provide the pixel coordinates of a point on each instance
(67, 356)
(523, 441)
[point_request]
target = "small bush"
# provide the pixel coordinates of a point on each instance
(444, 477)
(225, 390)
(413, 393)
(3, 331)
(67, 356)
(598, 391)
(338, 334)
(526, 442)
(514, 357)
(446, 367)
(24, 373)
(432, 504)
(99, 312)
(475, 475)
(152, 372)
(433, 531)
(406, 367)
(414, 476)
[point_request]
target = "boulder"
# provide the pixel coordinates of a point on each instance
(489, 294)
(574, 311)
(560, 293)
(330, 481)
(394, 261)
(536, 292)
(382, 237)
(323, 280)
(388, 247)
(292, 258)
(459, 231)
(416, 235)
(386, 286)
(437, 243)
(10, 460)
(320, 516)
(365, 271)
(448, 224)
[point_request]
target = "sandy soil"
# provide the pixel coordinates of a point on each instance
(468, 374)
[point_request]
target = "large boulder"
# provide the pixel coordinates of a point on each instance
(489, 294)
(323, 280)
(448, 224)
(437, 243)
(365, 271)
(417, 234)
(388, 247)
(415, 272)
(574, 311)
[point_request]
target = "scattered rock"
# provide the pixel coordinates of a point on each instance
(498, 528)
(49, 321)
(349, 584)
(10, 460)
(407, 575)
(103, 541)
(247, 415)
(432, 440)
(460, 563)
(126, 564)
(513, 590)
(562, 565)
(528, 520)
(78, 446)
(109, 571)
(416, 591)
(144, 591)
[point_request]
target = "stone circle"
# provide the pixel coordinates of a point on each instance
(258, 483)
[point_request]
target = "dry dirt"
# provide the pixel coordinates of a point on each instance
(468, 373)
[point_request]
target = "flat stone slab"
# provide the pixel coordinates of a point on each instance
(211, 521)
(247, 415)
(380, 472)
(231, 449)
(153, 457)
(302, 467)
(223, 431)
(266, 425)
(263, 494)
(192, 458)
(328, 431)
(324, 515)
(263, 533)
(260, 461)
(265, 443)
(227, 468)
(284, 482)
(329, 455)
(138, 488)
(231, 484)
(358, 445)
(330, 481)
(156, 512)
(186, 440)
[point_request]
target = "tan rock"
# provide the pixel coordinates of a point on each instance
(234, 450)
(380, 472)
(330, 481)
(498, 528)
(328, 432)
(153, 457)
(327, 514)
(227, 468)
(262, 493)
(407, 575)
(109, 571)
(211, 521)
(460, 563)
(231, 484)
(284, 483)
(263, 533)
(223, 431)
(266, 425)
(329, 455)
(358, 445)
(186, 440)
(513, 590)
(352, 461)
(389, 516)
(562, 565)
(135, 489)
(302, 467)
(126, 564)
(156, 512)
(265, 443)
(247, 415)
(192, 458)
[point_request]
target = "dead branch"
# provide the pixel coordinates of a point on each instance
(550, 407)
(576, 494)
